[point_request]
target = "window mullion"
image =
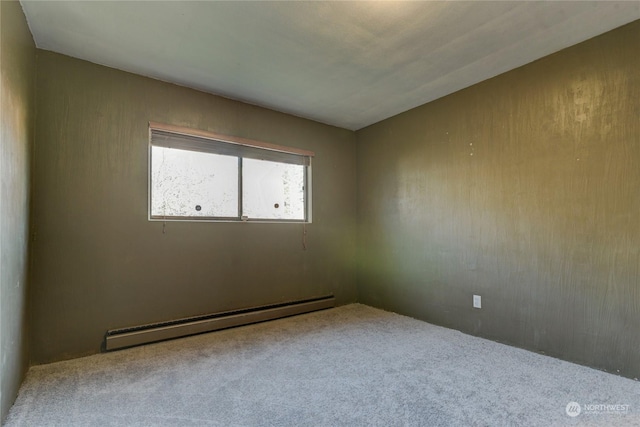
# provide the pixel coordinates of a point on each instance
(240, 188)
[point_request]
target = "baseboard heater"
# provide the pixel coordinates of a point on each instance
(137, 335)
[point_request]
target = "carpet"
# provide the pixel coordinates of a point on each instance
(349, 366)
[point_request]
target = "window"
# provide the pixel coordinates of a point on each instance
(196, 175)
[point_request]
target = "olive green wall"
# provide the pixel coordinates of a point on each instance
(524, 189)
(100, 264)
(17, 72)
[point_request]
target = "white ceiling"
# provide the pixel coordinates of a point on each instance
(349, 64)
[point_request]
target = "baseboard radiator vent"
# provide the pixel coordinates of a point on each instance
(144, 334)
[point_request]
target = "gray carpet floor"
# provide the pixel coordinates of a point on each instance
(349, 366)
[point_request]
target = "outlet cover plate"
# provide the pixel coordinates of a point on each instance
(477, 301)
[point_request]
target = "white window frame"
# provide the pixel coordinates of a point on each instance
(164, 135)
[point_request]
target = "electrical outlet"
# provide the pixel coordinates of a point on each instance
(477, 301)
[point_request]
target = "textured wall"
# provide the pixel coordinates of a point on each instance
(17, 71)
(100, 264)
(524, 189)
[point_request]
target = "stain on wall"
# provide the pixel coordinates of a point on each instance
(524, 189)
(17, 73)
(100, 264)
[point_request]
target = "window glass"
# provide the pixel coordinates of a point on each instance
(273, 190)
(193, 184)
